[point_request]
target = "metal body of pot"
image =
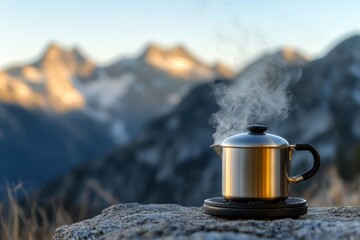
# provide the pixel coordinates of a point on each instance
(256, 166)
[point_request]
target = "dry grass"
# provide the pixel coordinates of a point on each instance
(32, 222)
(29, 220)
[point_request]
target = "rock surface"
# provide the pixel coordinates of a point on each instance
(169, 221)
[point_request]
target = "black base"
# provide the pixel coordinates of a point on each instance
(290, 208)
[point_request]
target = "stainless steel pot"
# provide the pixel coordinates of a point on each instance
(256, 165)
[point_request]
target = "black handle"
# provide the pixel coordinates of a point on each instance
(316, 156)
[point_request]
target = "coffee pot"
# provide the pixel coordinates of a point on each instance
(256, 165)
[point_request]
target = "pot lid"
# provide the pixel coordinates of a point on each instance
(256, 137)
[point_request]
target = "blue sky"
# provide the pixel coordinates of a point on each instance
(231, 31)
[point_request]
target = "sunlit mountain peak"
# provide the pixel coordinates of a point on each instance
(293, 56)
(71, 59)
(63, 79)
(177, 61)
(48, 82)
(53, 50)
(14, 91)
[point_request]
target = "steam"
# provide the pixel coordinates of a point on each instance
(258, 95)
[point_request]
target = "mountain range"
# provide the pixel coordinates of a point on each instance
(170, 161)
(124, 95)
(142, 125)
(63, 108)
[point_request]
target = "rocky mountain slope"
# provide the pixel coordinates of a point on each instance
(131, 92)
(171, 160)
(63, 108)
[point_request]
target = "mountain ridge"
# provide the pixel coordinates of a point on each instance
(60, 73)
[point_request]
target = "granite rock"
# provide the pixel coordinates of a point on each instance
(170, 221)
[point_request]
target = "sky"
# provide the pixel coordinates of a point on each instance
(233, 32)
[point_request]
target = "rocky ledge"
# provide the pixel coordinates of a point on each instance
(169, 221)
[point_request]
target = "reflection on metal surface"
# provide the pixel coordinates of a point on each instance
(218, 149)
(255, 174)
(291, 150)
(295, 179)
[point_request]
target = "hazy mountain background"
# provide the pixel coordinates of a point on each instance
(170, 161)
(138, 130)
(63, 109)
(118, 101)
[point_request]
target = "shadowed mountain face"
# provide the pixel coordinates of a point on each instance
(327, 106)
(36, 146)
(171, 160)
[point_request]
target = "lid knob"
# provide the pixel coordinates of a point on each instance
(256, 129)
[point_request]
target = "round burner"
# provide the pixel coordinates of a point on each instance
(290, 208)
